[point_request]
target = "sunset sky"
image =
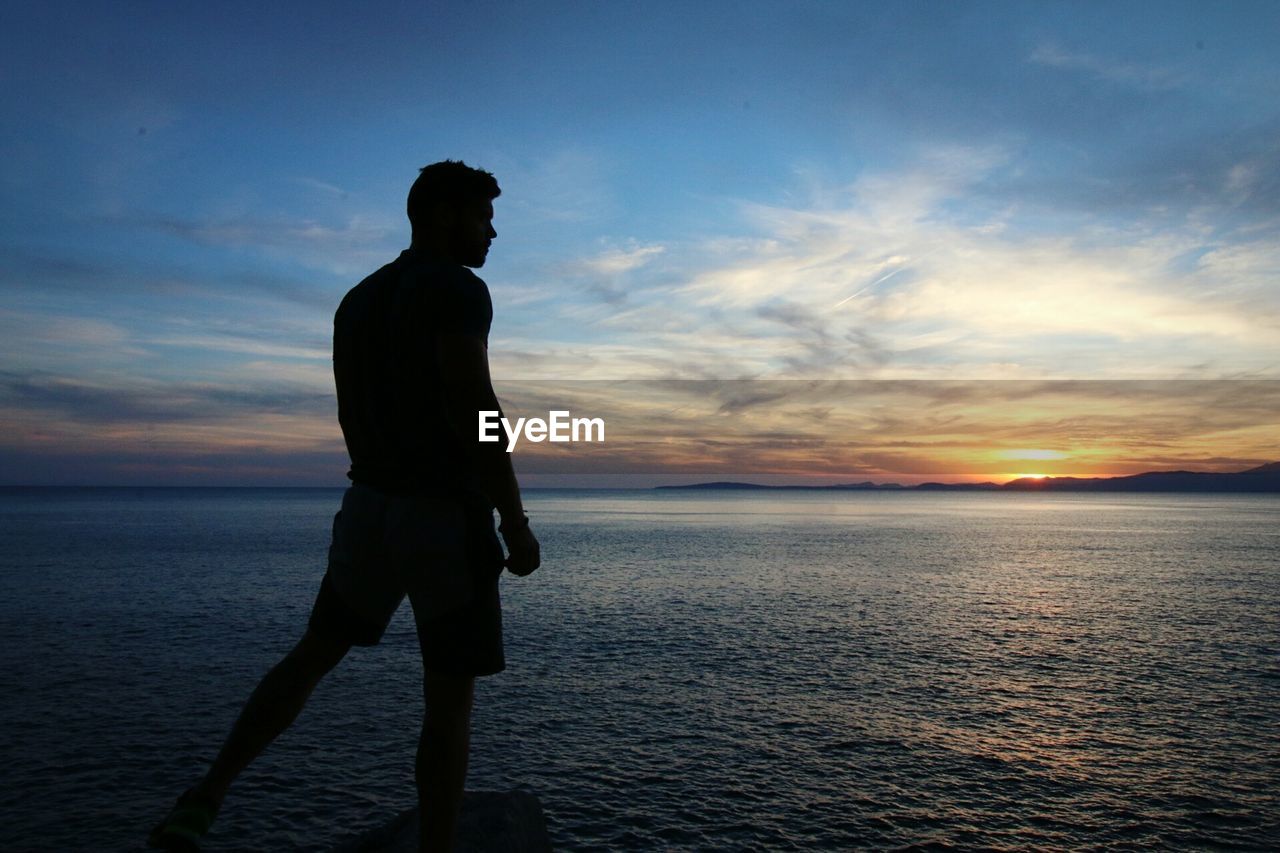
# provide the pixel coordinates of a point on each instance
(943, 240)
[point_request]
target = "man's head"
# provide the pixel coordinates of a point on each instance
(451, 211)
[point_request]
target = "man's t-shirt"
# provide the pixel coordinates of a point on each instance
(390, 389)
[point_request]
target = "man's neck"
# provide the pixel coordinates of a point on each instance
(432, 249)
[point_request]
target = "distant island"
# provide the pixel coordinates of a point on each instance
(1264, 478)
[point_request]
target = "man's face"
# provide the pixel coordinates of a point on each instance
(472, 233)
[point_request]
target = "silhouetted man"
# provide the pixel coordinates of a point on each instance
(410, 358)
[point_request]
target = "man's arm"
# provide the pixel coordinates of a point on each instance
(464, 366)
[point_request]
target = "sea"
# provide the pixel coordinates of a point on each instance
(689, 670)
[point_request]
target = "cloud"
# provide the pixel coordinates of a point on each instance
(605, 275)
(560, 187)
(928, 271)
(231, 343)
(321, 186)
(1136, 74)
(151, 402)
(833, 431)
(1224, 178)
(895, 279)
(615, 262)
(60, 330)
(141, 465)
(245, 232)
(357, 245)
(21, 266)
(838, 431)
(55, 428)
(110, 281)
(70, 344)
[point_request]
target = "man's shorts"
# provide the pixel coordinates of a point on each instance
(441, 552)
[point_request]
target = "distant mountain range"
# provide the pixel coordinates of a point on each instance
(1264, 478)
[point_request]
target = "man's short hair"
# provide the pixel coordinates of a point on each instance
(451, 182)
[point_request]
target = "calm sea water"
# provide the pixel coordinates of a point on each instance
(687, 671)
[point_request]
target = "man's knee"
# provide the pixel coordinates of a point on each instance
(316, 654)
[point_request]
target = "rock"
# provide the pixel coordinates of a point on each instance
(490, 822)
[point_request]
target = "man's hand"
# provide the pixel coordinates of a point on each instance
(525, 554)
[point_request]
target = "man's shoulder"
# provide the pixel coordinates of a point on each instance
(450, 289)
(420, 274)
(414, 283)
(377, 280)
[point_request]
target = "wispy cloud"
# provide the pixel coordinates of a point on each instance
(320, 186)
(616, 261)
(76, 430)
(240, 345)
(779, 431)
(1142, 75)
(898, 275)
(241, 233)
(1224, 178)
(39, 341)
(561, 186)
(607, 276)
(144, 402)
(347, 248)
(837, 431)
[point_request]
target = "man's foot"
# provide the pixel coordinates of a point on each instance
(186, 823)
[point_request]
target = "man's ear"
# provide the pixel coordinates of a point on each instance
(443, 216)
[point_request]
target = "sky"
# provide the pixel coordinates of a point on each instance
(891, 241)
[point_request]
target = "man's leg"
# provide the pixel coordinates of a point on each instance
(272, 707)
(441, 769)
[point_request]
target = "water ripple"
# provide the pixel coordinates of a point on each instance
(897, 672)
